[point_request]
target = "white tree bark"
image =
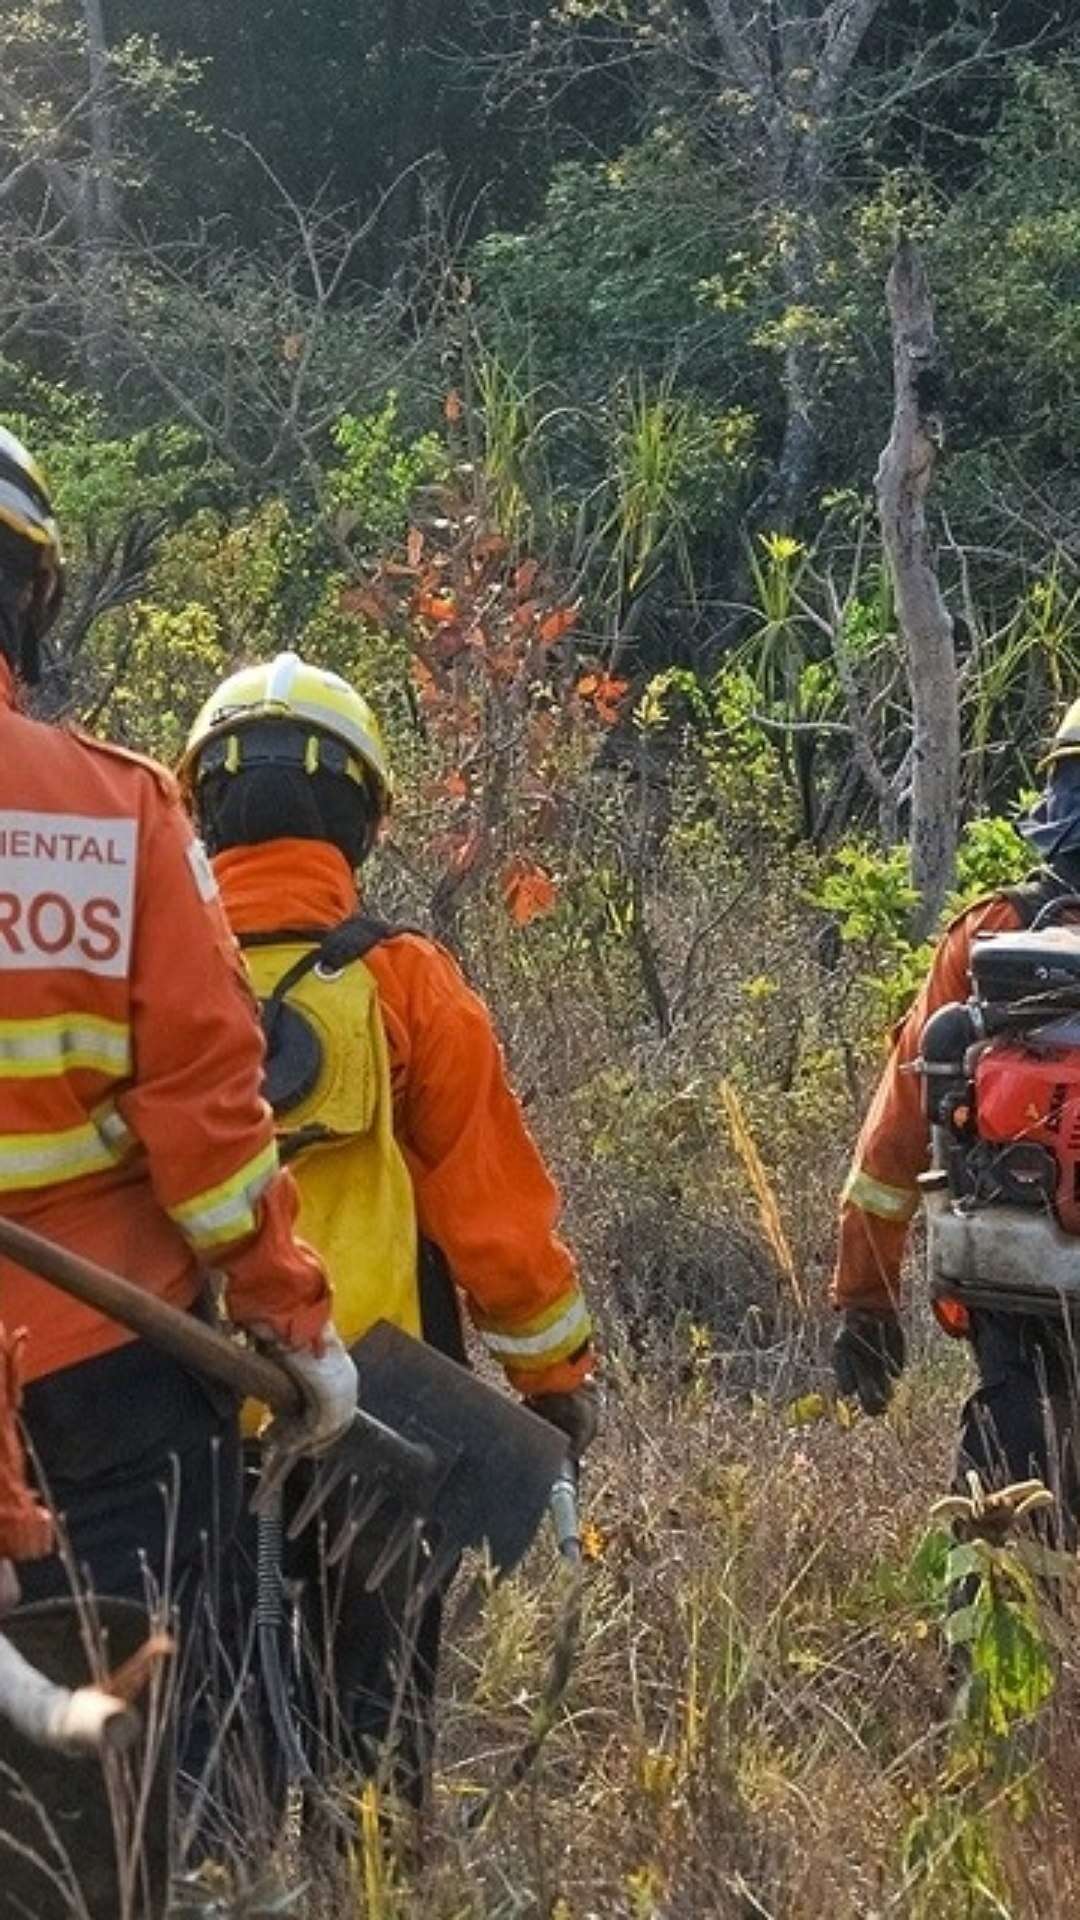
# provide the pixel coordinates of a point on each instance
(904, 474)
(794, 62)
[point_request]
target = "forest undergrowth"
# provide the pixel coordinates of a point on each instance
(760, 1721)
(532, 372)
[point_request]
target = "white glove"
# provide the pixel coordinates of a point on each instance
(328, 1382)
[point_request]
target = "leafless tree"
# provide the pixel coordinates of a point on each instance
(904, 477)
(794, 63)
(59, 180)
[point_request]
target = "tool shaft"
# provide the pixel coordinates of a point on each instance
(195, 1344)
(563, 1507)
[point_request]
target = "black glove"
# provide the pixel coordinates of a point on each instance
(576, 1414)
(868, 1358)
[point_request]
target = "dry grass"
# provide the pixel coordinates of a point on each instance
(758, 1714)
(757, 1704)
(758, 1711)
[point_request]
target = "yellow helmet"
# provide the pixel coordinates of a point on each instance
(29, 543)
(1065, 744)
(288, 690)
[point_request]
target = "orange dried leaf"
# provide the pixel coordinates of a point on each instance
(414, 546)
(604, 692)
(528, 891)
(608, 697)
(491, 546)
(456, 784)
(561, 621)
(436, 606)
(452, 406)
(525, 576)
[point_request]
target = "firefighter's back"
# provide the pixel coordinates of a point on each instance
(74, 819)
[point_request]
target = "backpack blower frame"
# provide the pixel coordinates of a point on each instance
(1001, 1090)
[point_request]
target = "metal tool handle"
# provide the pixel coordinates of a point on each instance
(195, 1344)
(565, 1518)
(187, 1339)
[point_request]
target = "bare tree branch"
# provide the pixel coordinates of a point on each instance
(747, 64)
(846, 24)
(903, 480)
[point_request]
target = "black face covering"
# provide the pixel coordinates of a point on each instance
(256, 804)
(18, 638)
(1053, 826)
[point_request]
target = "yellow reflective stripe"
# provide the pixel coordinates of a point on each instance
(45, 1159)
(37, 530)
(227, 1212)
(874, 1196)
(551, 1336)
(44, 1049)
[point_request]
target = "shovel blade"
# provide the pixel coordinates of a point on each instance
(495, 1461)
(56, 1818)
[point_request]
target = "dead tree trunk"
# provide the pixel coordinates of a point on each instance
(904, 474)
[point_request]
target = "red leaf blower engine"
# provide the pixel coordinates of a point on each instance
(1001, 1079)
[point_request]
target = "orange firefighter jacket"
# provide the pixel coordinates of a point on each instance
(881, 1194)
(132, 1126)
(483, 1194)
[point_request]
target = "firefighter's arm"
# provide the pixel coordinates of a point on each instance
(881, 1193)
(483, 1192)
(195, 1103)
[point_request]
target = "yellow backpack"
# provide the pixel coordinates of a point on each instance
(328, 1080)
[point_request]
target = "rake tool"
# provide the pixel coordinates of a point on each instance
(465, 1465)
(449, 1462)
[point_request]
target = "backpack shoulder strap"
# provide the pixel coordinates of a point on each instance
(294, 1051)
(1034, 894)
(353, 940)
(350, 940)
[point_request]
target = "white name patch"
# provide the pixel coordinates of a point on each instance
(67, 892)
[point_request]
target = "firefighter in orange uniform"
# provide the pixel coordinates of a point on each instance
(1023, 1396)
(419, 1180)
(132, 1127)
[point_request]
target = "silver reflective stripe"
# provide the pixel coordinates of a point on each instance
(513, 1346)
(39, 1049)
(114, 1130)
(282, 674)
(227, 1211)
(39, 1159)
